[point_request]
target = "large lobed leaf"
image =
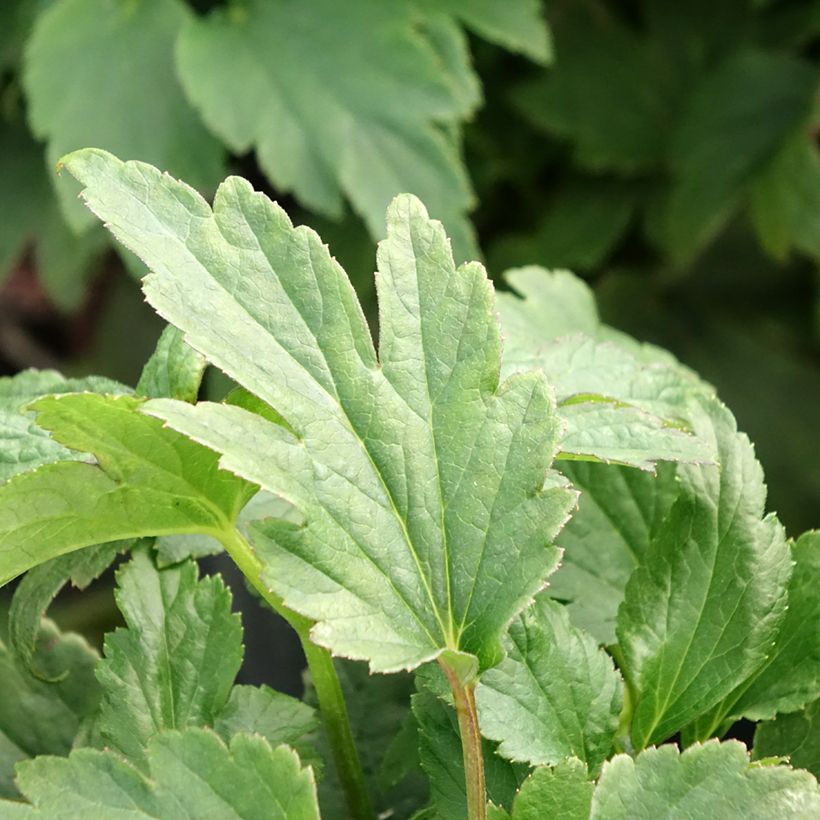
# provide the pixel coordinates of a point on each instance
(423, 483)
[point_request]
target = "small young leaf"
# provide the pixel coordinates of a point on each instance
(192, 774)
(555, 696)
(174, 370)
(396, 459)
(796, 736)
(44, 716)
(148, 480)
(712, 780)
(702, 611)
(174, 665)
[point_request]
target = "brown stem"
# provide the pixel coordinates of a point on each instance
(464, 700)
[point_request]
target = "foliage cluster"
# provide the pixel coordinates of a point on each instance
(403, 504)
(665, 151)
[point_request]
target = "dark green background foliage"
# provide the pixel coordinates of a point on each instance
(665, 151)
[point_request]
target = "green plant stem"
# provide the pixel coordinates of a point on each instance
(332, 707)
(464, 700)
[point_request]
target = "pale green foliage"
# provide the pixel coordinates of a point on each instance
(400, 507)
(246, 779)
(371, 114)
(703, 609)
(619, 405)
(328, 126)
(394, 458)
(555, 696)
(78, 45)
(712, 780)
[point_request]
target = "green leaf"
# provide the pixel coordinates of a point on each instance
(796, 736)
(148, 480)
(606, 430)
(42, 584)
(552, 303)
(560, 793)
(276, 717)
(517, 25)
(442, 761)
(174, 370)
(620, 402)
(136, 107)
(555, 696)
(715, 153)
(785, 199)
(192, 774)
(702, 611)
(175, 663)
(323, 128)
(24, 445)
(619, 512)
(712, 780)
(394, 459)
(43, 717)
(789, 677)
